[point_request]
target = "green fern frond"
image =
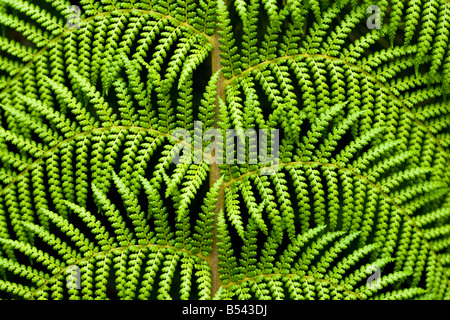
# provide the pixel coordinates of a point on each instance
(313, 150)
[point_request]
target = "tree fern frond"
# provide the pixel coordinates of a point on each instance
(224, 150)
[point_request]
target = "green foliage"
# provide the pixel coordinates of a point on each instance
(86, 172)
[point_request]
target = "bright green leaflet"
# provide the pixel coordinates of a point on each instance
(86, 171)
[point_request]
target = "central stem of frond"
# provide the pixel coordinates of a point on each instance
(214, 169)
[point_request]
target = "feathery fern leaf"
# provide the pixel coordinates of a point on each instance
(340, 167)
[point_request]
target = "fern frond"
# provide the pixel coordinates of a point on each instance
(94, 118)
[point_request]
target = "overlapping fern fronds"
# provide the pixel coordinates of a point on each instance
(86, 148)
